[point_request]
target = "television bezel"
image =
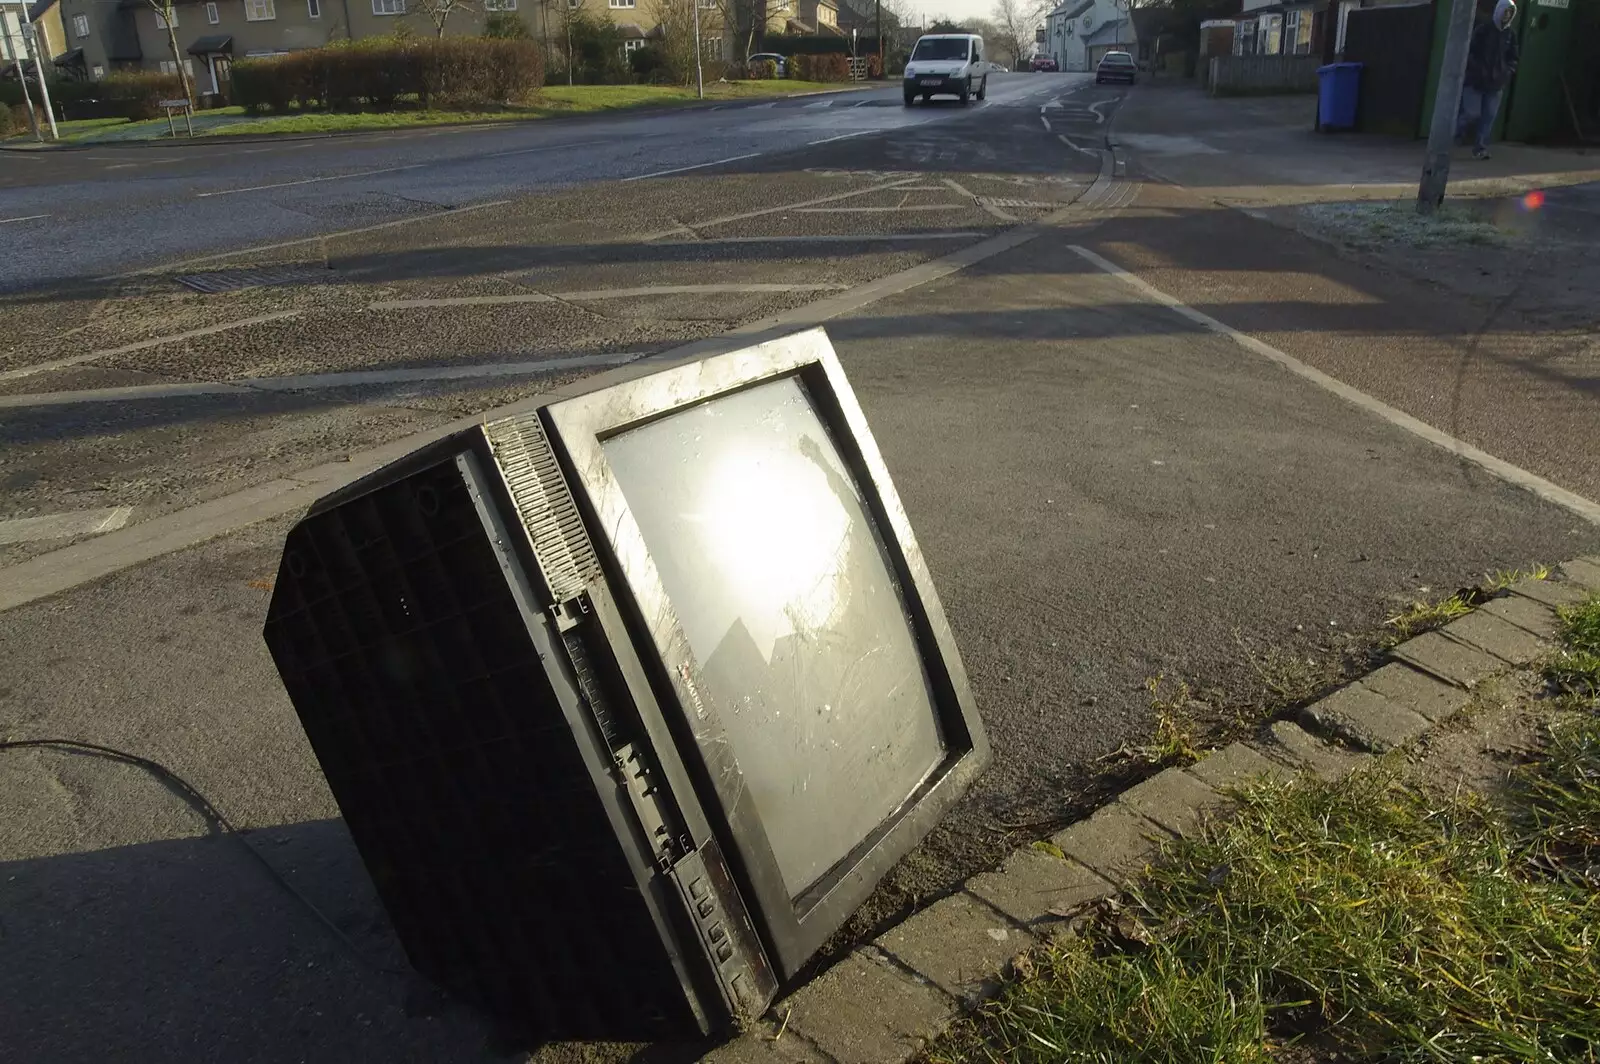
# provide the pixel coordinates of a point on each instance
(579, 427)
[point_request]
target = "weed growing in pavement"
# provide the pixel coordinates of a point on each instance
(1419, 617)
(1363, 916)
(1575, 669)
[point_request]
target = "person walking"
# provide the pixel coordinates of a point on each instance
(1491, 60)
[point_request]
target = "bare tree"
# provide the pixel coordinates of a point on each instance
(166, 16)
(439, 11)
(1014, 23)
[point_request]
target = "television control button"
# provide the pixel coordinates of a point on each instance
(706, 908)
(698, 889)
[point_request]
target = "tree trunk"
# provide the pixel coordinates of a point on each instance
(177, 57)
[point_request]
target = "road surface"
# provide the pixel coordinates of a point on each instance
(1106, 490)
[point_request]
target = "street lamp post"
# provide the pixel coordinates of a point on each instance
(699, 76)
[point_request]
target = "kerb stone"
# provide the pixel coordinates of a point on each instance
(1448, 659)
(1417, 691)
(1116, 842)
(1031, 884)
(865, 1011)
(1525, 613)
(1175, 800)
(1293, 745)
(960, 944)
(1235, 765)
(1365, 718)
(1498, 637)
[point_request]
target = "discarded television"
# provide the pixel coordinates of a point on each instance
(629, 698)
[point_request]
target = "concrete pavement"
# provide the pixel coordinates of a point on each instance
(1105, 491)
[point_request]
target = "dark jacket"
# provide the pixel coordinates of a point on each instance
(1491, 57)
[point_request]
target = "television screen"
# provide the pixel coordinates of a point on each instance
(785, 594)
(630, 696)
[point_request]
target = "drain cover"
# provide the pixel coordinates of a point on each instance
(235, 280)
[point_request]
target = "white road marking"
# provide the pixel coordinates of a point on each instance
(309, 181)
(882, 210)
(312, 382)
(412, 220)
(843, 136)
(24, 218)
(818, 104)
(546, 147)
(829, 238)
(1587, 509)
(75, 360)
(747, 215)
(1076, 147)
(1098, 117)
(600, 293)
(1046, 122)
(60, 526)
(696, 166)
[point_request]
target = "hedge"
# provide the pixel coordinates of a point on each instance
(375, 73)
(826, 67)
(125, 94)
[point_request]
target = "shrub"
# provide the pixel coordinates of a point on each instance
(826, 67)
(506, 26)
(13, 119)
(377, 73)
(596, 53)
(761, 70)
(141, 91)
(649, 63)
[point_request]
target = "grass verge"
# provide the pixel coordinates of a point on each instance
(1365, 917)
(1362, 917)
(553, 100)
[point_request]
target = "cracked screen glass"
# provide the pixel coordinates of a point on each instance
(778, 579)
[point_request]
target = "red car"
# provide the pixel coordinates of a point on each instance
(1043, 63)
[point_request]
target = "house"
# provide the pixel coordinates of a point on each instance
(1079, 32)
(1295, 27)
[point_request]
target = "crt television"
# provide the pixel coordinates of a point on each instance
(630, 697)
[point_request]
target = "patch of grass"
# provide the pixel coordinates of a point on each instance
(1501, 579)
(1576, 667)
(1420, 617)
(1363, 916)
(1562, 803)
(552, 100)
(1370, 224)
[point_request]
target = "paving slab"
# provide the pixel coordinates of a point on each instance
(1175, 800)
(1550, 592)
(1034, 888)
(1448, 659)
(1362, 717)
(1417, 691)
(865, 1011)
(959, 943)
(766, 1042)
(1294, 746)
(1526, 613)
(1235, 765)
(1583, 571)
(1116, 842)
(1498, 637)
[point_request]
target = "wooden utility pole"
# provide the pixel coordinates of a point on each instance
(1446, 106)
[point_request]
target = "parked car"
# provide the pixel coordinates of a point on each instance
(950, 64)
(778, 60)
(1116, 66)
(1043, 64)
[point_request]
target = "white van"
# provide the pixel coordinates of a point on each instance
(949, 64)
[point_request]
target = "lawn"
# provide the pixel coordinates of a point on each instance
(552, 100)
(1363, 918)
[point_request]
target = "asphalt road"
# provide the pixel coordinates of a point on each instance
(110, 208)
(1105, 492)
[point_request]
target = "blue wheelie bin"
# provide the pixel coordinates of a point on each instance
(1338, 86)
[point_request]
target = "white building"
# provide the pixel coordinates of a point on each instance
(1079, 32)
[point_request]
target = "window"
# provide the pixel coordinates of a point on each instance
(574, 4)
(211, 13)
(388, 7)
(1297, 32)
(1269, 29)
(169, 67)
(709, 5)
(260, 10)
(80, 25)
(97, 72)
(624, 3)
(629, 47)
(314, 8)
(499, 5)
(161, 20)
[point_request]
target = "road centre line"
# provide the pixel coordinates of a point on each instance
(312, 382)
(24, 218)
(843, 136)
(208, 330)
(882, 210)
(546, 147)
(827, 238)
(1046, 122)
(600, 293)
(1585, 508)
(696, 166)
(310, 180)
(63, 525)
